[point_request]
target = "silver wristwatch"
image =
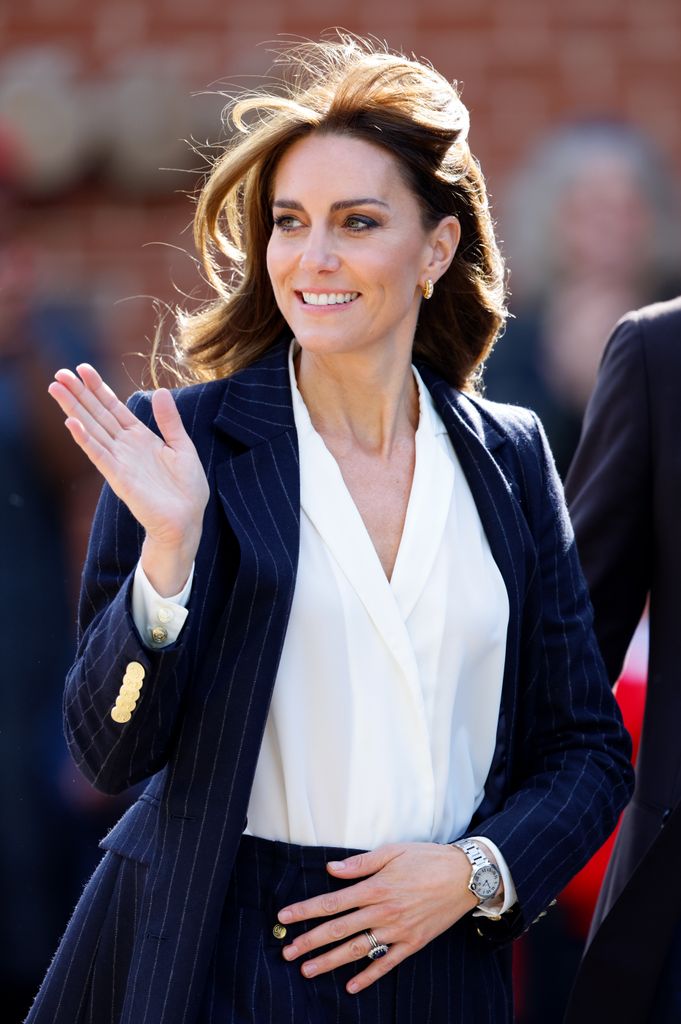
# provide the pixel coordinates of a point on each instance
(485, 878)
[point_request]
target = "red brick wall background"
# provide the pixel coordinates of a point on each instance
(525, 65)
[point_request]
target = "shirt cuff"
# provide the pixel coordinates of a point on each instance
(159, 620)
(494, 907)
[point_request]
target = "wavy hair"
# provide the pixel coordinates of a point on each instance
(347, 86)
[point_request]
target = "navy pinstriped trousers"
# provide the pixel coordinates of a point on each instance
(457, 978)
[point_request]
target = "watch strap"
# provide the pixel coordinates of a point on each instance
(477, 858)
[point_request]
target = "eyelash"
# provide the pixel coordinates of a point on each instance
(282, 222)
(367, 223)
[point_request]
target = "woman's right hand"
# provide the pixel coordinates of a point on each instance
(160, 479)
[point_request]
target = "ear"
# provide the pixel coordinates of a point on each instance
(444, 241)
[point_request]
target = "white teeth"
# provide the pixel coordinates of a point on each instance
(329, 298)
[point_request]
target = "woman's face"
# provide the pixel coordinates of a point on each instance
(348, 251)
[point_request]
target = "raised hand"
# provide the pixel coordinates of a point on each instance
(161, 481)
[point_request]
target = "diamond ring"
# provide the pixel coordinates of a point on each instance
(378, 949)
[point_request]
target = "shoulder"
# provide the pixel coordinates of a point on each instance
(650, 333)
(525, 456)
(642, 359)
(200, 403)
(497, 426)
(658, 317)
(196, 403)
(515, 439)
(513, 420)
(513, 423)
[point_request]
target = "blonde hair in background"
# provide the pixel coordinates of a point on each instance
(347, 86)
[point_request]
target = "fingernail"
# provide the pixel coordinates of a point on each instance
(352, 987)
(290, 952)
(285, 916)
(309, 970)
(337, 865)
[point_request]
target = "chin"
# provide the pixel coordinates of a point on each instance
(317, 344)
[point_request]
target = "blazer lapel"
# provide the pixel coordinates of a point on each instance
(479, 447)
(257, 484)
(259, 490)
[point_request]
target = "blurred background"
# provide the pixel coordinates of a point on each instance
(575, 119)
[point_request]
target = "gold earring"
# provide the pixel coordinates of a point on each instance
(428, 288)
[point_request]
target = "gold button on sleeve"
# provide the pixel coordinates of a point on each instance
(129, 689)
(126, 703)
(279, 931)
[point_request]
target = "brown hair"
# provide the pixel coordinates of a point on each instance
(353, 87)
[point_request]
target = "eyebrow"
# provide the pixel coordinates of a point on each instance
(342, 204)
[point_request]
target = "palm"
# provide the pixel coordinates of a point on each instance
(161, 480)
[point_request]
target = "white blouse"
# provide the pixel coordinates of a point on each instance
(383, 719)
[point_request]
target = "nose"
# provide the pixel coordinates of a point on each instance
(318, 255)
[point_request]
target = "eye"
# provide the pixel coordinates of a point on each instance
(360, 223)
(287, 222)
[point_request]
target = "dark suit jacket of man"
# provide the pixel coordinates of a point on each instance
(560, 773)
(624, 492)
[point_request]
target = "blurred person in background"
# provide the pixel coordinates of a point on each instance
(48, 820)
(624, 491)
(592, 227)
(334, 611)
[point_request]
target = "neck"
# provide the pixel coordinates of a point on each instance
(360, 400)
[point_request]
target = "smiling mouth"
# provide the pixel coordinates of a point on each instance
(328, 298)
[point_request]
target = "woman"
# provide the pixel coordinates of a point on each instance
(334, 610)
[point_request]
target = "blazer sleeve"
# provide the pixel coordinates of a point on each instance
(608, 489)
(572, 774)
(115, 755)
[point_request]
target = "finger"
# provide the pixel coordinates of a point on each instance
(334, 931)
(61, 391)
(358, 948)
(168, 419)
(398, 952)
(81, 402)
(83, 388)
(97, 454)
(362, 864)
(329, 904)
(106, 395)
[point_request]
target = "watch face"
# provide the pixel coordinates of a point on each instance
(485, 882)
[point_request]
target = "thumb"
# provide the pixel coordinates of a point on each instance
(361, 864)
(168, 418)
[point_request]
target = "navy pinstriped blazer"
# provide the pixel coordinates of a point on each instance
(560, 774)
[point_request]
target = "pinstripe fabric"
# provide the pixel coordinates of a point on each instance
(90, 988)
(251, 983)
(545, 800)
(560, 773)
